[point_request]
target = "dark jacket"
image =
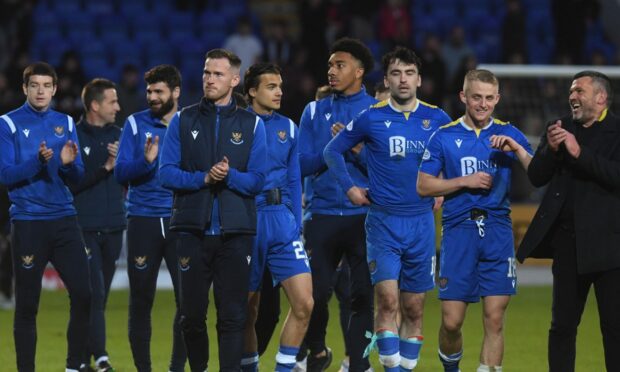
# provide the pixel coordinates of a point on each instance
(98, 198)
(596, 177)
(202, 136)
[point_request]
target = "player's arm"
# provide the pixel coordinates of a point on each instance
(310, 159)
(334, 154)
(547, 158)
(509, 144)
(71, 165)
(430, 182)
(131, 162)
(252, 180)
(10, 172)
(294, 178)
(170, 173)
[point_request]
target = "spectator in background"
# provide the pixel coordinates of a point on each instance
(394, 23)
(453, 52)
(130, 96)
(70, 82)
(570, 18)
(513, 32)
(244, 44)
(279, 49)
(433, 71)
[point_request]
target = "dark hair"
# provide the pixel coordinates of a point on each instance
(601, 80)
(219, 53)
(94, 90)
(253, 74)
(357, 49)
(40, 68)
(380, 87)
(322, 92)
(402, 54)
(164, 73)
(240, 100)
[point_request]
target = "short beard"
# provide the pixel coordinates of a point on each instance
(165, 109)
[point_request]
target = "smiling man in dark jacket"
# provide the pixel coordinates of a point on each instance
(99, 202)
(578, 221)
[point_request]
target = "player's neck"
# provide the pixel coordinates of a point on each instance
(475, 124)
(261, 110)
(404, 105)
(166, 118)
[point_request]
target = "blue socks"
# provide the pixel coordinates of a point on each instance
(450, 362)
(410, 352)
(285, 359)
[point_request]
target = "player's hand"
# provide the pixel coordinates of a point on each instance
(478, 180)
(45, 153)
(151, 148)
(337, 128)
(358, 196)
(68, 153)
(112, 152)
(438, 203)
(556, 135)
(357, 148)
(504, 143)
(572, 146)
(218, 172)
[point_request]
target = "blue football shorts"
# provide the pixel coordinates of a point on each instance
(401, 248)
(277, 245)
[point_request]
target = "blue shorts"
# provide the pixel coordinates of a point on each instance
(401, 248)
(277, 245)
(472, 266)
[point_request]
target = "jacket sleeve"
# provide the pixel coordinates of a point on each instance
(11, 172)
(73, 172)
(252, 180)
(170, 173)
(129, 167)
(91, 178)
(544, 163)
(604, 171)
(336, 149)
(294, 179)
(310, 159)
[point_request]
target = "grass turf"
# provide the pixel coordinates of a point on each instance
(526, 328)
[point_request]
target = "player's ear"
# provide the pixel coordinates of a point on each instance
(462, 95)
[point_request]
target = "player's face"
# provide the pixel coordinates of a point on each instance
(160, 99)
(268, 95)
(583, 98)
(480, 99)
(108, 107)
(218, 80)
(39, 91)
(344, 73)
(403, 81)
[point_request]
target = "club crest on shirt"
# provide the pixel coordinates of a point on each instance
(236, 138)
(372, 266)
(59, 131)
(184, 263)
(443, 283)
(28, 261)
(282, 136)
(140, 262)
(426, 124)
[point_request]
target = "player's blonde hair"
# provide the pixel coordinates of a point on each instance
(484, 76)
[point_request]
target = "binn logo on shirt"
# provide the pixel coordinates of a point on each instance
(471, 165)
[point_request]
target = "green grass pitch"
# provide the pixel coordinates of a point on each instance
(525, 332)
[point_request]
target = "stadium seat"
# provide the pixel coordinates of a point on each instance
(160, 53)
(128, 52)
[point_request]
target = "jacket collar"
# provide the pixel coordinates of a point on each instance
(355, 97)
(32, 111)
(266, 117)
(210, 107)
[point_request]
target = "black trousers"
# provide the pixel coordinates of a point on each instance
(104, 249)
(6, 266)
(570, 291)
(328, 239)
(223, 261)
(148, 242)
(35, 243)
